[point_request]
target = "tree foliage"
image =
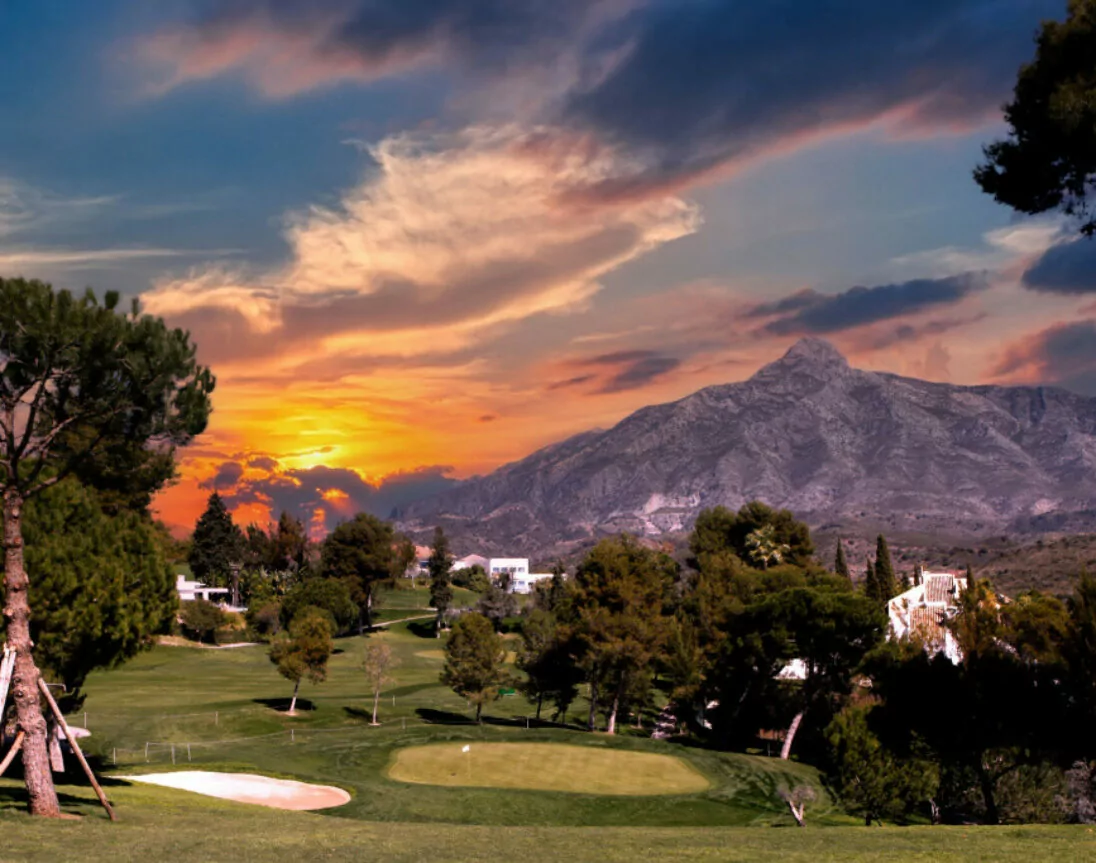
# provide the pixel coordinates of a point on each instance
(440, 566)
(1048, 162)
(475, 661)
(201, 618)
(378, 665)
(303, 651)
(718, 530)
(102, 588)
(546, 657)
(871, 780)
(217, 544)
(840, 564)
(330, 596)
(87, 392)
(361, 553)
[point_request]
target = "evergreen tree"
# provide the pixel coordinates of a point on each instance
(440, 566)
(216, 544)
(621, 590)
(870, 780)
(545, 657)
(475, 661)
(360, 553)
(102, 588)
(886, 585)
(90, 392)
(498, 602)
(840, 565)
(871, 586)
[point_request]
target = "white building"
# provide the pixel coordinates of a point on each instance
(470, 560)
(515, 566)
(922, 610)
(191, 590)
(524, 583)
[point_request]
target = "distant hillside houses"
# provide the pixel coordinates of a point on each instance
(922, 612)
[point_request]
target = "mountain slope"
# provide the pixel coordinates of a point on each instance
(806, 432)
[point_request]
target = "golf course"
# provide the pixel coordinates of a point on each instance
(429, 782)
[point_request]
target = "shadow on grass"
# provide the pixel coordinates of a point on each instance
(282, 704)
(422, 628)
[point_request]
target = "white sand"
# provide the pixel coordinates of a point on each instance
(249, 788)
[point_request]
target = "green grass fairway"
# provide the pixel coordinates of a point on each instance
(547, 767)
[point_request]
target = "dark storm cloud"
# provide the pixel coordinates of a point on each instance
(1067, 268)
(638, 373)
(301, 492)
(227, 475)
(812, 312)
(706, 82)
(1064, 354)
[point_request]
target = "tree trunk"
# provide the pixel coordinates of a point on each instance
(867, 820)
(293, 701)
(986, 783)
(479, 712)
(786, 749)
(369, 609)
(24, 683)
(540, 703)
(611, 729)
(376, 703)
(592, 722)
(797, 812)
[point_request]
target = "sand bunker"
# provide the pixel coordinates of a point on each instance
(249, 788)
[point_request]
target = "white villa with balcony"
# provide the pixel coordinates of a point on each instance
(921, 612)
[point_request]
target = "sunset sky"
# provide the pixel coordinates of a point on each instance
(416, 240)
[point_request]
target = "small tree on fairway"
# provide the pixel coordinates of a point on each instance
(797, 799)
(378, 665)
(474, 661)
(304, 650)
(441, 589)
(84, 390)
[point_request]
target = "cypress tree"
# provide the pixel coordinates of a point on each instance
(871, 586)
(441, 589)
(840, 565)
(887, 584)
(216, 543)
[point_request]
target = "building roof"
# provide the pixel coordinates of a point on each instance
(927, 625)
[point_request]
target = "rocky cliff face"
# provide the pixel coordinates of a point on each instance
(809, 433)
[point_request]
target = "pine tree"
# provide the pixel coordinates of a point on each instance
(840, 565)
(475, 661)
(216, 544)
(441, 589)
(360, 553)
(886, 583)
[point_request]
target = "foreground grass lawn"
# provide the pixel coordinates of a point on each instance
(161, 825)
(547, 767)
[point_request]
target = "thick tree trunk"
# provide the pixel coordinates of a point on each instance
(786, 749)
(986, 783)
(293, 701)
(24, 683)
(376, 704)
(540, 703)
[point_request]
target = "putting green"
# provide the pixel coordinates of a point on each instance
(546, 767)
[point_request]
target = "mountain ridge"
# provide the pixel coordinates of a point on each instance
(807, 432)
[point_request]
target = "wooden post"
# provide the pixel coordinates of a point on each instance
(15, 747)
(75, 748)
(172, 753)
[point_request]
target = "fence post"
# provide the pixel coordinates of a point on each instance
(85, 719)
(114, 757)
(172, 753)
(188, 752)
(146, 750)
(216, 717)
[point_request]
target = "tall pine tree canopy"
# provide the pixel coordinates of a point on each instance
(884, 584)
(440, 565)
(719, 531)
(1048, 162)
(217, 543)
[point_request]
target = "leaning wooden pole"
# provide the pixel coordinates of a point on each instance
(10, 757)
(75, 748)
